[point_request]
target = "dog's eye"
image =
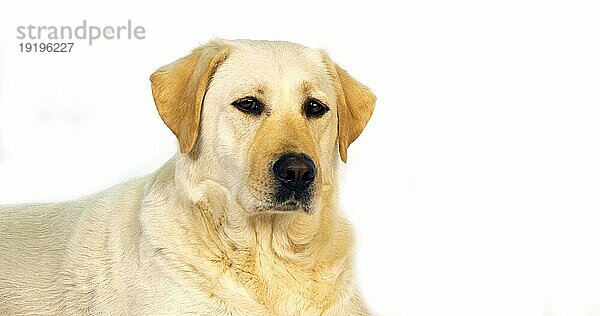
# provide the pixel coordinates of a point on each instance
(249, 105)
(314, 108)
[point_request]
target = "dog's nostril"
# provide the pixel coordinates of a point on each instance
(290, 175)
(294, 171)
(308, 176)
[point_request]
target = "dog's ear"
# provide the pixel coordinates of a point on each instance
(179, 87)
(355, 103)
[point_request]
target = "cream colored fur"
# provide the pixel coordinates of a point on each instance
(197, 236)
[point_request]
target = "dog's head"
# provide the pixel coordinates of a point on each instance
(263, 118)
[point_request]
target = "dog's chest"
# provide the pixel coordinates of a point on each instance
(283, 288)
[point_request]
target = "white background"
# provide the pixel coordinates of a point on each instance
(474, 190)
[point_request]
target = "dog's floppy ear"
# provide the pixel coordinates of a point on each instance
(355, 104)
(179, 87)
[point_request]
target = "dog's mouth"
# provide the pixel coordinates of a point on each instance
(291, 205)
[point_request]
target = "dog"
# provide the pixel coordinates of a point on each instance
(242, 220)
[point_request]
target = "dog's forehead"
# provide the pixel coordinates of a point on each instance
(275, 64)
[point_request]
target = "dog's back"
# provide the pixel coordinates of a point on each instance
(43, 249)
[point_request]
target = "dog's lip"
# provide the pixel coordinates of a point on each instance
(290, 205)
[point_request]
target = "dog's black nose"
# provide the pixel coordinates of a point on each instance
(294, 171)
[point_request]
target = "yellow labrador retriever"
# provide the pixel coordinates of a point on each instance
(243, 221)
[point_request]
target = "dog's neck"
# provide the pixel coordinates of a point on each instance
(275, 256)
(220, 223)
